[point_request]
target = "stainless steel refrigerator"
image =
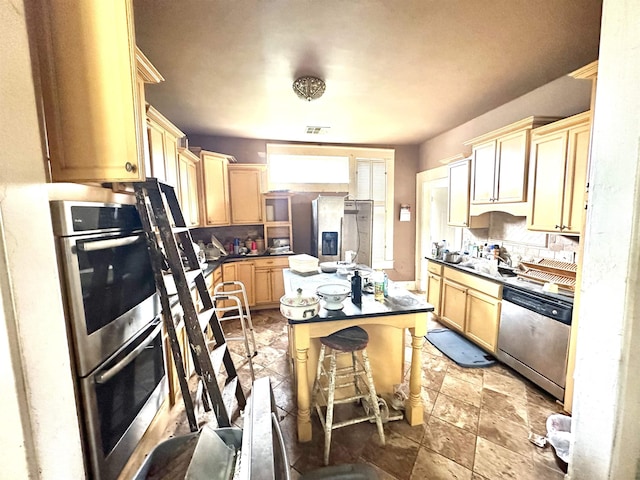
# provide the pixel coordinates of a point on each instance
(341, 226)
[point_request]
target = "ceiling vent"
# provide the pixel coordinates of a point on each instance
(317, 130)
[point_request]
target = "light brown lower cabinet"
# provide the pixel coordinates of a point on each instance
(269, 283)
(434, 286)
(241, 271)
(471, 305)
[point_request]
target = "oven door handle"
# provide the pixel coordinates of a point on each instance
(108, 243)
(104, 377)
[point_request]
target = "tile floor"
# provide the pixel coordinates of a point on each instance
(476, 421)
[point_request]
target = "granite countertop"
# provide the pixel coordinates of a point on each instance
(511, 280)
(399, 301)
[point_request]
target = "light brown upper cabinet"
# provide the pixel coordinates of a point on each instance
(499, 167)
(92, 92)
(246, 184)
(214, 194)
(164, 137)
(458, 212)
(188, 177)
(559, 155)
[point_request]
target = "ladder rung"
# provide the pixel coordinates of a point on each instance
(205, 317)
(217, 355)
(177, 230)
(229, 395)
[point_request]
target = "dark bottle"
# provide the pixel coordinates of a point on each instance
(356, 288)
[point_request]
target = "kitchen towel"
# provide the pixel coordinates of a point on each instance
(459, 349)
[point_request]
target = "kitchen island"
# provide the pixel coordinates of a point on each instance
(385, 322)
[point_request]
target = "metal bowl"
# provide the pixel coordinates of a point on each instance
(452, 257)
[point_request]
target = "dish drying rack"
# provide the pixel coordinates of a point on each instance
(550, 271)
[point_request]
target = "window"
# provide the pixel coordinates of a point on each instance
(363, 173)
(372, 183)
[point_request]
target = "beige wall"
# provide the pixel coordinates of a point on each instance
(406, 164)
(563, 97)
(40, 436)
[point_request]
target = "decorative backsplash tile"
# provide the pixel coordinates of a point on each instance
(511, 233)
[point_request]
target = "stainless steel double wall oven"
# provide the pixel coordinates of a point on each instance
(114, 325)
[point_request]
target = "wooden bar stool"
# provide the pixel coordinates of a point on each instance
(352, 340)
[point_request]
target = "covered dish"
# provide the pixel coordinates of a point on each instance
(299, 307)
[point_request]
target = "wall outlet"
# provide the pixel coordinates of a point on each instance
(569, 257)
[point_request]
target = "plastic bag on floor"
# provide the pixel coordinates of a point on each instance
(559, 435)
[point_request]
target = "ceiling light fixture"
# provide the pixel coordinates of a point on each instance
(309, 88)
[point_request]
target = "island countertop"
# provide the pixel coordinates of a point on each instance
(399, 301)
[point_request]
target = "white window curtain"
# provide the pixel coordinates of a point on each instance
(373, 183)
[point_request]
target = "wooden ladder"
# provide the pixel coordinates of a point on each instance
(171, 248)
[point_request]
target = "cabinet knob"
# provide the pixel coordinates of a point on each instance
(129, 167)
(558, 226)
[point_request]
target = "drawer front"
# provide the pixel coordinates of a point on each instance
(488, 287)
(272, 262)
(434, 268)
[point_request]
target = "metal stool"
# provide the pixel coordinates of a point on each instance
(235, 293)
(347, 341)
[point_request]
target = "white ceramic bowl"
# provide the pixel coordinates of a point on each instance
(333, 295)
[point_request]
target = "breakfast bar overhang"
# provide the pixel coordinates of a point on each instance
(385, 322)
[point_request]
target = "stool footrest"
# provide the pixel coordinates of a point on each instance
(352, 421)
(351, 399)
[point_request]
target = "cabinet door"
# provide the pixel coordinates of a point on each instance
(245, 273)
(277, 284)
(547, 180)
(482, 319)
(576, 179)
(215, 189)
(434, 288)
(262, 290)
(511, 169)
(459, 194)
(454, 300)
(192, 194)
(95, 120)
(242, 271)
(171, 160)
(245, 193)
(156, 152)
(483, 177)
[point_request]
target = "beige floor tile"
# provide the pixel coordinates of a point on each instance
(507, 384)
(456, 412)
(471, 375)
(505, 406)
(433, 466)
(432, 379)
(434, 363)
(497, 463)
(506, 433)
(397, 457)
(428, 399)
(450, 441)
(456, 388)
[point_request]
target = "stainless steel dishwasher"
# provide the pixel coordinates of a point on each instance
(533, 337)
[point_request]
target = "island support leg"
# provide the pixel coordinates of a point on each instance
(413, 405)
(302, 377)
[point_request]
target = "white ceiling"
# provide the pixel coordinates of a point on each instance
(397, 71)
